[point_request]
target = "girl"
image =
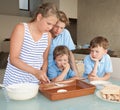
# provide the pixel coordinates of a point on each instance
(29, 46)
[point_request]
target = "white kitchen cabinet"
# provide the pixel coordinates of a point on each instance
(68, 6)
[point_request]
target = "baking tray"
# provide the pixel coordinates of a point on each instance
(75, 88)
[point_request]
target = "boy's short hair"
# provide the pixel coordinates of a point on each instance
(61, 50)
(99, 41)
(63, 18)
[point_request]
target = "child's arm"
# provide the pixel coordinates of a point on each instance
(74, 77)
(105, 77)
(63, 74)
(94, 71)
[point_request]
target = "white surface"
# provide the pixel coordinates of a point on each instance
(116, 67)
(22, 91)
(99, 96)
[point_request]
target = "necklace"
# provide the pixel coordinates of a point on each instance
(34, 32)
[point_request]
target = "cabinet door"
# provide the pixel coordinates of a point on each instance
(69, 7)
(53, 1)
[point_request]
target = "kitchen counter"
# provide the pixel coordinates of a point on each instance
(87, 51)
(40, 102)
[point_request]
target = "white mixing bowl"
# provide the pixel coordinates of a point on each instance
(22, 91)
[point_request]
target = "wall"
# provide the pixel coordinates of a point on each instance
(99, 17)
(95, 17)
(9, 7)
(10, 15)
(53, 1)
(7, 24)
(68, 6)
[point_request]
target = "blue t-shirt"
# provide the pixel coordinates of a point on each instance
(64, 38)
(54, 71)
(105, 66)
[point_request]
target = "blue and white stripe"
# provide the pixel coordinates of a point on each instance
(32, 54)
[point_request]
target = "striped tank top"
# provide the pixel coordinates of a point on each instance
(32, 54)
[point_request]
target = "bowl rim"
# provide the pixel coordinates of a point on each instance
(18, 87)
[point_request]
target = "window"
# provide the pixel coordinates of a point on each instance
(24, 4)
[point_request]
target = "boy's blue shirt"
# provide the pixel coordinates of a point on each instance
(54, 72)
(105, 66)
(64, 38)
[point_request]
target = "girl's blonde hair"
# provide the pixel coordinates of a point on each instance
(46, 10)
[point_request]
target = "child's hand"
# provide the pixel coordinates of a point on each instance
(92, 77)
(94, 59)
(66, 66)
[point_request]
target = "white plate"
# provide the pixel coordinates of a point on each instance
(99, 96)
(100, 84)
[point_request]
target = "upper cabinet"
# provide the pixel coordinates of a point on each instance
(68, 6)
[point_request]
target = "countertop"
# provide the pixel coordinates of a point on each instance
(87, 51)
(40, 102)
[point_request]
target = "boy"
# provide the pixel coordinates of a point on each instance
(98, 64)
(60, 69)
